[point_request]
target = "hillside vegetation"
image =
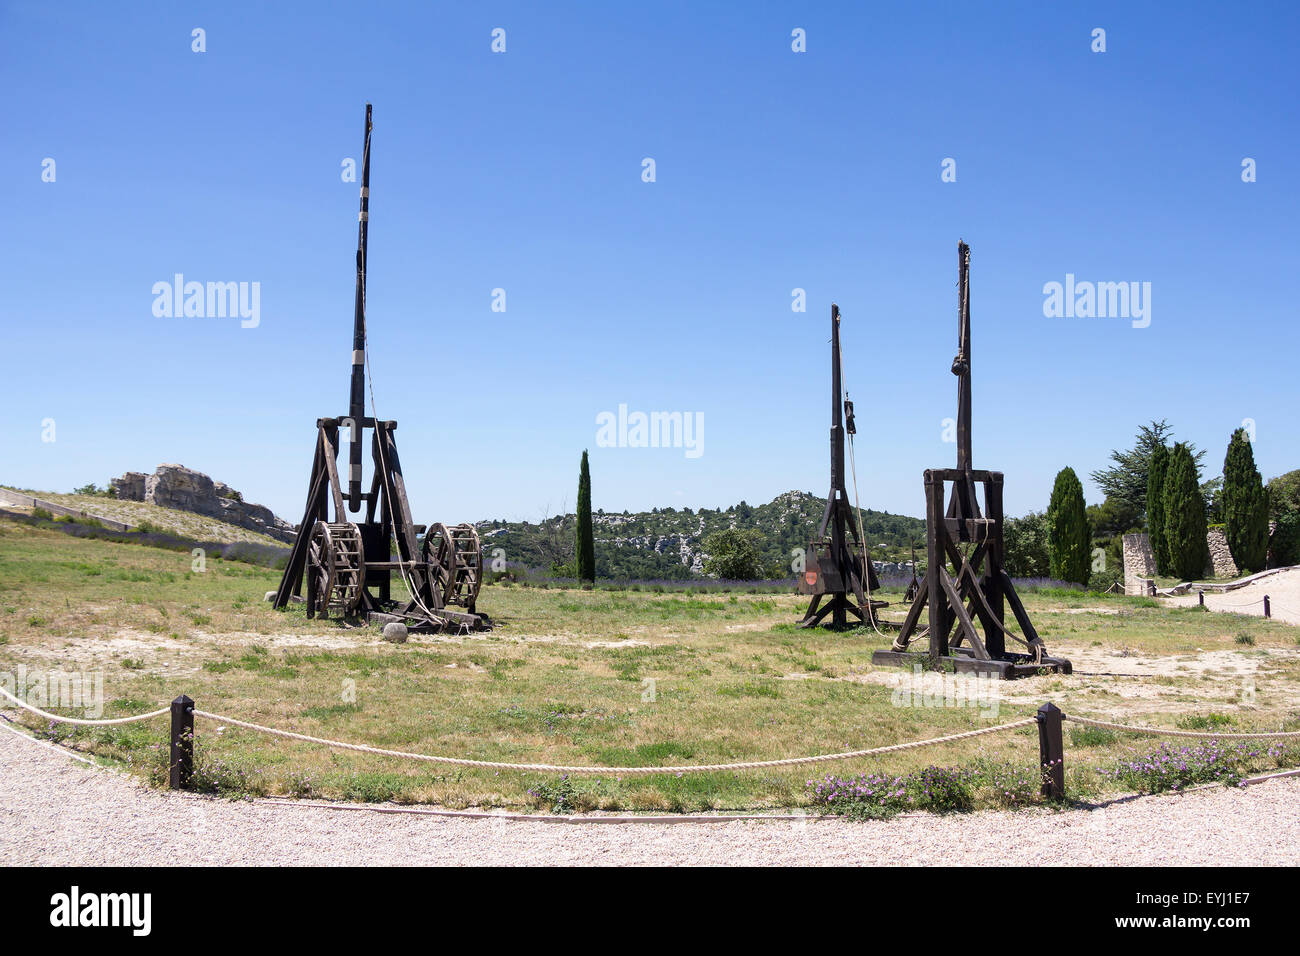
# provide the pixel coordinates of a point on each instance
(667, 543)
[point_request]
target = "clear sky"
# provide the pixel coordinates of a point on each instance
(523, 171)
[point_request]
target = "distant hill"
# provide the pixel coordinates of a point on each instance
(145, 516)
(667, 543)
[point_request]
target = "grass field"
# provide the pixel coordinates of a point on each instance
(613, 677)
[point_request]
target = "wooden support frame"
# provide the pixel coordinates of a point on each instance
(837, 565)
(387, 519)
(347, 562)
(966, 593)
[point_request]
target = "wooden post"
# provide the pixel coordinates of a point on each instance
(935, 558)
(1200, 598)
(994, 639)
(182, 755)
(1051, 751)
(1268, 608)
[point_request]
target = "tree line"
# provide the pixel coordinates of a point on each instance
(1156, 487)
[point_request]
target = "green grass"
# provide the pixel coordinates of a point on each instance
(589, 677)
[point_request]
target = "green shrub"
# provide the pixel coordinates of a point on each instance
(1081, 735)
(1068, 533)
(1244, 505)
(585, 546)
(1025, 542)
(734, 554)
(1156, 473)
(1185, 515)
(1284, 545)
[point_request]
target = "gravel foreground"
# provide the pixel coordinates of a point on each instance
(57, 810)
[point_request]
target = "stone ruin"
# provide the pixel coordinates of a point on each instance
(175, 486)
(1221, 563)
(1140, 563)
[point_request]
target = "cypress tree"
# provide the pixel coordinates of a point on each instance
(1245, 506)
(586, 543)
(1069, 535)
(1184, 516)
(1156, 507)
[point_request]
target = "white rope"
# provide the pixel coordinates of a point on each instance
(59, 718)
(1163, 732)
(615, 771)
(1247, 604)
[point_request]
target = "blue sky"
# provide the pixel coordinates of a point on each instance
(522, 170)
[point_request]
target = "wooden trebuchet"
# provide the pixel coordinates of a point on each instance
(966, 587)
(834, 567)
(347, 562)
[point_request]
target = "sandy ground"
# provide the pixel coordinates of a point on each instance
(56, 809)
(1283, 590)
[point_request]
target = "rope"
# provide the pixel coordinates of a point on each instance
(1162, 732)
(862, 539)
(1247, 604)
(59, 718)
(374, 408)
(618, 771)
(869, 611)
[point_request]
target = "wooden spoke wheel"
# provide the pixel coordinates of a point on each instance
(336, 569)
(454, 557)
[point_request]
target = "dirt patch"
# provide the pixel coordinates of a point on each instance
(1283, 590)
(1107, 683)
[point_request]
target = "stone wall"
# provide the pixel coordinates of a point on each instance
(1220, 563)
(27, 501)
(175, 486)
(1139, 563)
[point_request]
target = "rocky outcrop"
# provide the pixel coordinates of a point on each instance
(175, 486)
(130, 487)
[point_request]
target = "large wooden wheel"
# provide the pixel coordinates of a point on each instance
(336, 569)
(454, 557)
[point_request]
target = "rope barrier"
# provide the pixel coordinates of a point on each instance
(645, 771)
(59, 718)
(1247, 604)
(617, 771)
(1163, 732)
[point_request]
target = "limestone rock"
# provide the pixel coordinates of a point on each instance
(130, 487)
(175, 486)
(395, 633)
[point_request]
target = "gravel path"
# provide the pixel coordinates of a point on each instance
(55, 809)
(1283, 590)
